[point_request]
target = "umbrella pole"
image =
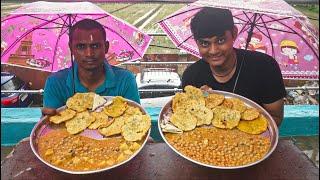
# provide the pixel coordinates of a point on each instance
(72, 63)
(251, 30)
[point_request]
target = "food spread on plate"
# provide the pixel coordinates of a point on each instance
(214, 129)
(124, 127)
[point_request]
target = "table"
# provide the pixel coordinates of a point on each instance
(158, 161)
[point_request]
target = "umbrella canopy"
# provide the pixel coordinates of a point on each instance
(36, 35)
(268, 26)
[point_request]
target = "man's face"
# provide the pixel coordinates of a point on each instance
(217, 50)
(89, 48)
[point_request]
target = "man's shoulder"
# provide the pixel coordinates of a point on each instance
(257, 58)
(60, 75)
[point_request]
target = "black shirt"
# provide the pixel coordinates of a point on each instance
(260, 78)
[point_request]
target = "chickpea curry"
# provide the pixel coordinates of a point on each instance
(220, 147)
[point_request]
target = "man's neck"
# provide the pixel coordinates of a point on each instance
(91, 79)
(225, 72)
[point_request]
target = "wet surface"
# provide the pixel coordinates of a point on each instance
(309, 145)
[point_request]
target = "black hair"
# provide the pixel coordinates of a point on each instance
(87, 24)
(209, 22)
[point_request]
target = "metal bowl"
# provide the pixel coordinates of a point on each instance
(272, 131)
(44, 126)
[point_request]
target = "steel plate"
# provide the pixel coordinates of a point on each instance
(44, 126)
(272, 131)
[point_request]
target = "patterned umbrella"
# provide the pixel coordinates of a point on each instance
(36, 35)
(268, 26)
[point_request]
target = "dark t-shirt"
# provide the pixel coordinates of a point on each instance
(260, 77)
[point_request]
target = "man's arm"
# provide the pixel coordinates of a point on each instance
(50, 98)
(276, 110)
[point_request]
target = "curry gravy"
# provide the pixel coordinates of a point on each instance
(79, 153)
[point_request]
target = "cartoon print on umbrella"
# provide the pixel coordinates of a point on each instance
(36, 35)
(262, 26)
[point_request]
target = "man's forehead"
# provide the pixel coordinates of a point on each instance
(214, 37)
(93, 32)
(88, 35)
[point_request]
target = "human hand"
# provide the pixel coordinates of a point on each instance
(48, 111)
(206, 88)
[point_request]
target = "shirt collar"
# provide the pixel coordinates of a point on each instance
(110, 81)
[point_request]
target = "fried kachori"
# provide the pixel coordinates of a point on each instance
(80, 101)
(184, 120)
(136, 127)
(101, 119)
(213, 100)
(250, 114)
(79, 123)
(225, 117)
(62, 116)
(117, 107)
(256, 126)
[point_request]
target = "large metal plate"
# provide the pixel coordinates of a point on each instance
(272, 131)
(44, 126)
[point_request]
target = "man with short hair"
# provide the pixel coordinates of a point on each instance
(92, 73)
(254, 75)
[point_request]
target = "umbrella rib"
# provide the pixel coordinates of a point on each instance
(276, 20)
(12, 17)
(23, 35)
(269, 37)
(123, 39)
(299, 36)
(45, 19)
(246, 24)
(184, 41)
(107, 15)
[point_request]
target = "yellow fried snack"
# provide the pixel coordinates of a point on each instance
(136, 127)
(101, 119)
(193, 92)
(80, 101)
(250, 114)
(256, 126)
(133, 111)
(227, 103)
(203, 114)
(225, 118)
(184, 120)
(178, 100)
(79, 123)
(238, 104)
(114, 128)
(214, 100)
(62, 116)
(89, 98)
(117, 108)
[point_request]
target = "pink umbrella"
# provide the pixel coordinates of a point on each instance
(269, 26)
(36, 35)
